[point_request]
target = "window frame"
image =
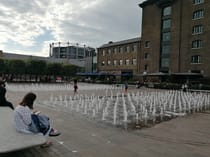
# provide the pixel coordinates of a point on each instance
(108, 62)
(164, 13)
(164, 24)
(103, 52)
(197, 29)
(197, 44)
(147, 44)
(127, 62)
(166, 36)
(115, 62)
(121, 62)
(196, 2)
(134, 61)
(146, 55)
(115, 50)
(196, 59)
(121, 50)
(198, 14)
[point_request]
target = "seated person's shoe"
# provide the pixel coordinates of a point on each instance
(47, 144)
(54, 132)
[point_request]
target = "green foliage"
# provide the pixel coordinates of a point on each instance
(54, 69)
(16, 66)
(2, 66)
(36, 67)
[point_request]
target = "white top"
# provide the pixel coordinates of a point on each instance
(22, 118)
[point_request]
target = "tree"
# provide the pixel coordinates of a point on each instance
(54, 69)
(17, 67)
(36, 67)
(2, 66)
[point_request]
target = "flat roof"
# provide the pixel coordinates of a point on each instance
(158, 2)
(121, 42)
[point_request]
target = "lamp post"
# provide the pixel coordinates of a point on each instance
(77, 51)
(84, 55)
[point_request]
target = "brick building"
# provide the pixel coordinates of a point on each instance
(119, 58)
(175, 37)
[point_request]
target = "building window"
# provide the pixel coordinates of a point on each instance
(146, 67)
(166, 36)
(198, 14)
(196, 59)
(134, 61)
(115, 62)
(147, 44)
(146, 55)
(109, 52)
(127, 61)
(165, 51)
(115, 50)
(121, 62)
(108, 62)
(198, 29)
(128, 49)
(198, 2)
(167, 24)
(135, 48)
(197, 44)
(165, 62)
(167, 11)
(103, 52)
(121, 49)
(102, 63)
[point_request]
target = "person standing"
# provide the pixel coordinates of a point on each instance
(126, 87)
(75, 87)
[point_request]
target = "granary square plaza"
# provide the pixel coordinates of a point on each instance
(104, 121)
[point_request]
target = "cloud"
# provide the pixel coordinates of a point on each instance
(90, 22)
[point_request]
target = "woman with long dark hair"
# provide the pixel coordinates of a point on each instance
(28, 121)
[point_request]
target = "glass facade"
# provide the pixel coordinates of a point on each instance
(166, 24)
(166, 36)
(167, 11)
(165, 39)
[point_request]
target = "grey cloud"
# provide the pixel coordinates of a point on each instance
(108, 20)
(111, 20)
(23, 6)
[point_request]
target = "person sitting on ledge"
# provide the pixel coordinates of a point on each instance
(28, 121)
(3, 101)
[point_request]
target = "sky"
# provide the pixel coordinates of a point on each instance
(29, 26)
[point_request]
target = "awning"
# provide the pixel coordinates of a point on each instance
(187, 74)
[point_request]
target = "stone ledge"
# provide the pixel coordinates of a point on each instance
(10, 139)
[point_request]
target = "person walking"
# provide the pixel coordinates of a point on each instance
(75, 87)
(126, 87)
